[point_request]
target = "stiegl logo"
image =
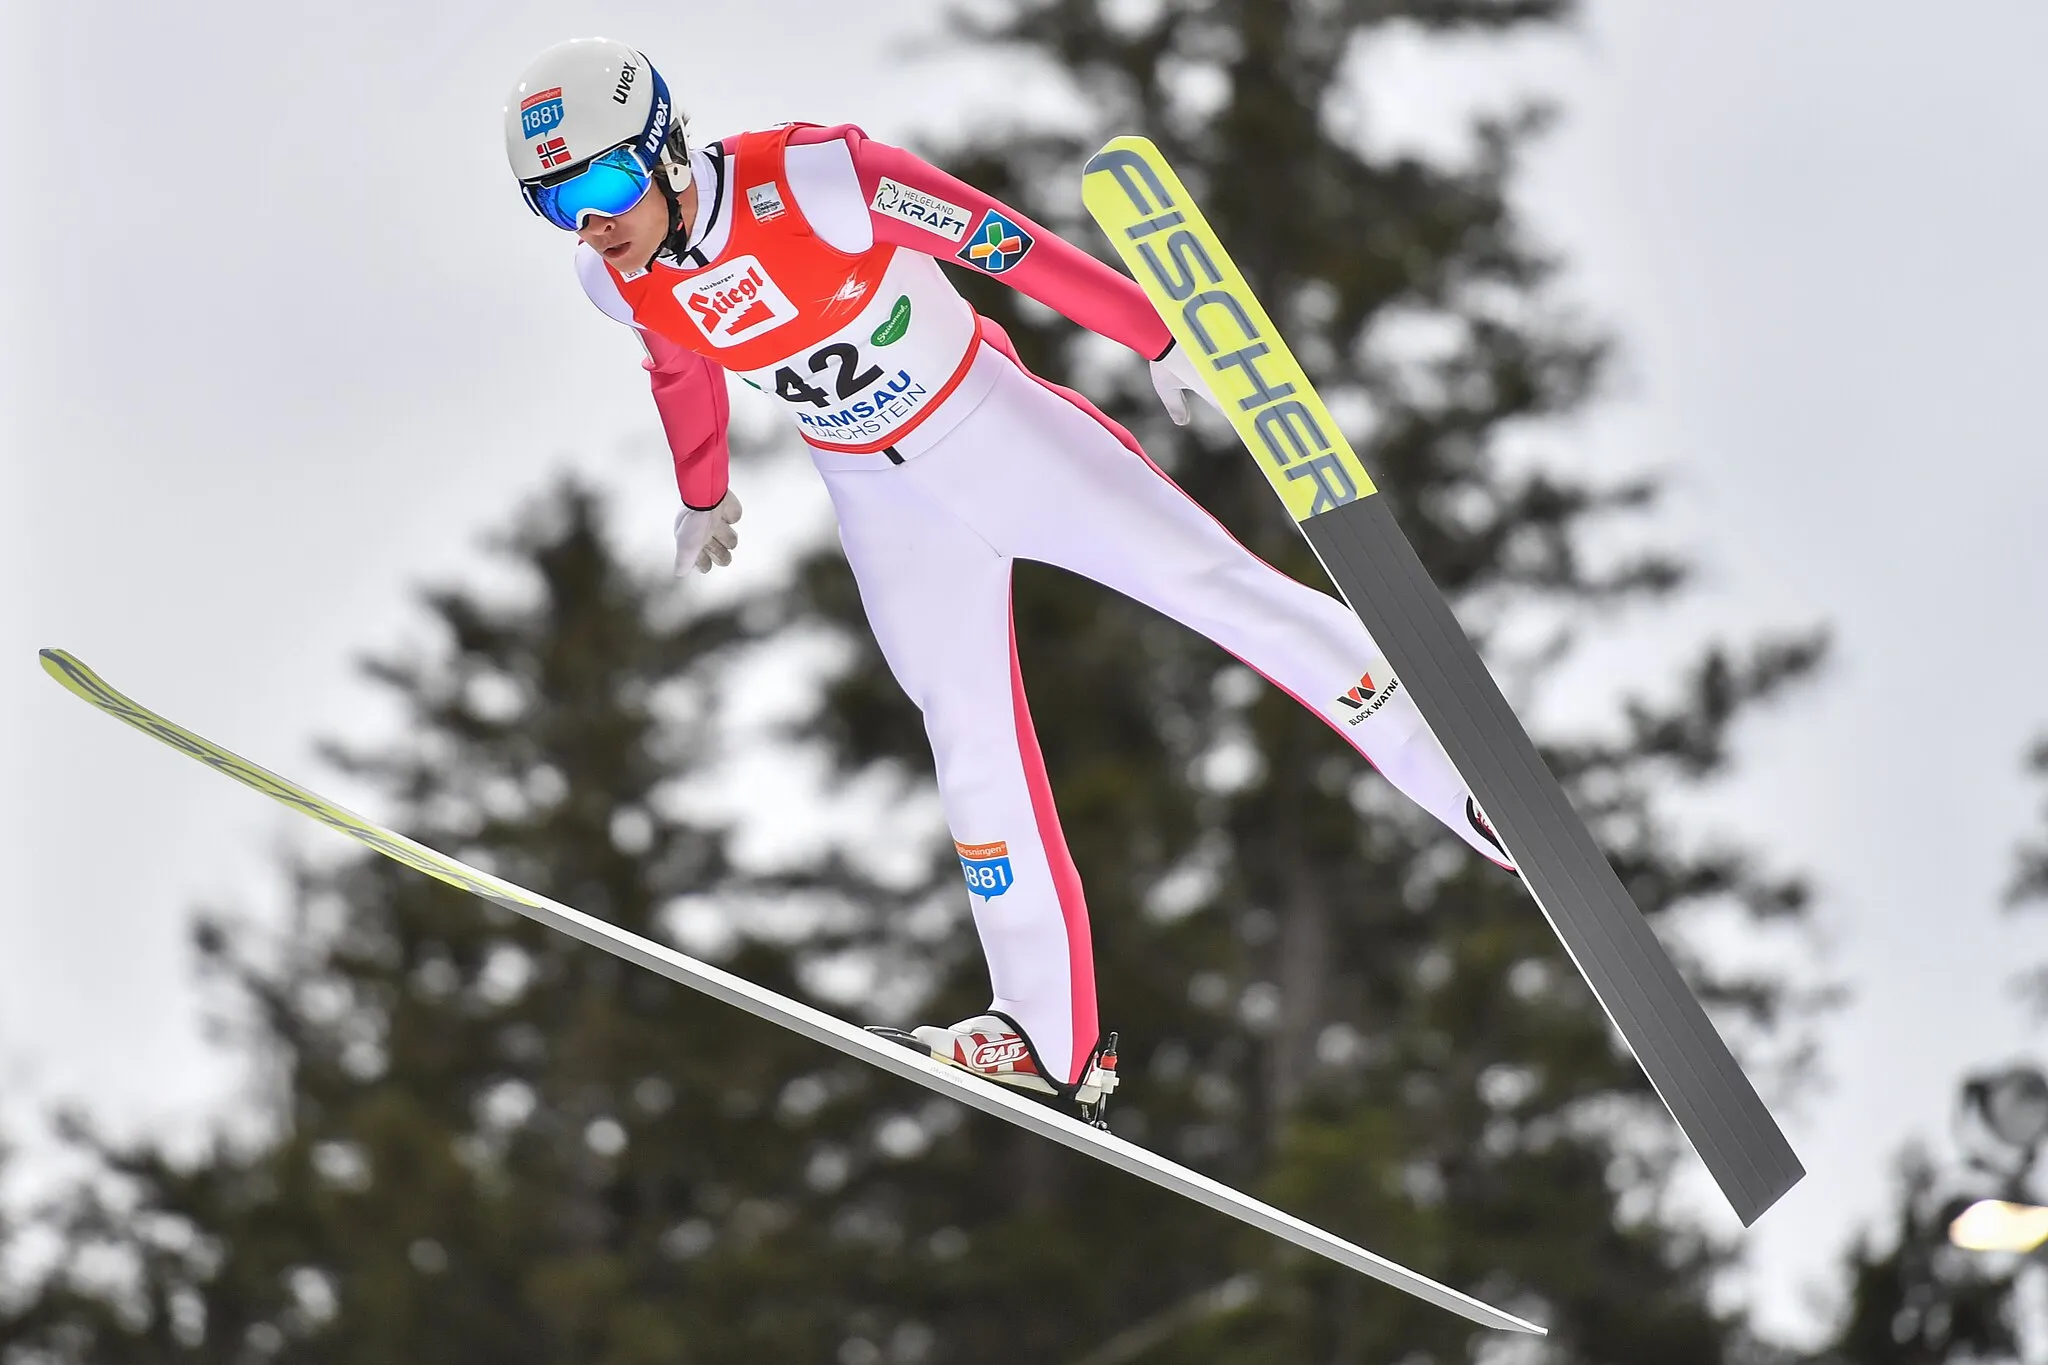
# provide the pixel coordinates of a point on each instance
(744, 295)
(734, 302)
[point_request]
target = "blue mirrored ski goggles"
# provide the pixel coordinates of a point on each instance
(608, 185)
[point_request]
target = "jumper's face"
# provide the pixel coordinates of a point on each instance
(628, 240)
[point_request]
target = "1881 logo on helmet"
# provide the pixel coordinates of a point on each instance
(540, 111)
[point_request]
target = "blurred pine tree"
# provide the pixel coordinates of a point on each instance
(1913, 1299)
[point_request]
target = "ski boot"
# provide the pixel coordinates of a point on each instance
(993, 1047)
(1484, 828)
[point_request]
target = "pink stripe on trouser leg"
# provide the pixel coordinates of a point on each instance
(937, 597)
(1066, 881)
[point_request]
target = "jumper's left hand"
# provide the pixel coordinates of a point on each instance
(705, 535)
(1173, 378)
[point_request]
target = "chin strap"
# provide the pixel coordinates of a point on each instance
(671, 178)
(673, 243)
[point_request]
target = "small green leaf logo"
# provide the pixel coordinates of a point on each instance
(891, 332)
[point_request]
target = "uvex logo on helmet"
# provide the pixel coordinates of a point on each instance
(624, 89)
(657, 128)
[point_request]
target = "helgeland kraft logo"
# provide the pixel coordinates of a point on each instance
(927, 211)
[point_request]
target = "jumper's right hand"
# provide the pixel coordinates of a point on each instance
(1173, 379)
(705, 537)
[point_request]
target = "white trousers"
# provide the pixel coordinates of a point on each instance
(1027, 474)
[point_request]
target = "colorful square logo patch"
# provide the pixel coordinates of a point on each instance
(995, 245)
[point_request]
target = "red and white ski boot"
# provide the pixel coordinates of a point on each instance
(992, 1046)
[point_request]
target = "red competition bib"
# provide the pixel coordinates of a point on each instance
(860, 348)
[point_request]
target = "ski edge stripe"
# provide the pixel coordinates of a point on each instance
(75, 677)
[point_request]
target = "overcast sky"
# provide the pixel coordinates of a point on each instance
(281, 341)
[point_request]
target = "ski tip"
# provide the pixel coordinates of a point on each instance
(1498, 1319)
(1486, 1315)
(68, 670)
(1117, 150)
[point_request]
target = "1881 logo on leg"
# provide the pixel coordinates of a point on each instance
(986, 867)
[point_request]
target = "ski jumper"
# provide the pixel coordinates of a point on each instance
(812, 272)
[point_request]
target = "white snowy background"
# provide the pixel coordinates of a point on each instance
(280, 341)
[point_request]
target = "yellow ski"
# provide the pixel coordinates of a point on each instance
(1204, 299)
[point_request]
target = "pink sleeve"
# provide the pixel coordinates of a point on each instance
(689, 392)
(1057, 273)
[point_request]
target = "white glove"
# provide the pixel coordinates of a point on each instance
(1173, 378)
(707, 537)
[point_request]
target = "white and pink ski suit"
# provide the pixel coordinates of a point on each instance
(811, 273)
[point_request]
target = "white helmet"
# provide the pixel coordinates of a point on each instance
(583, 98)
